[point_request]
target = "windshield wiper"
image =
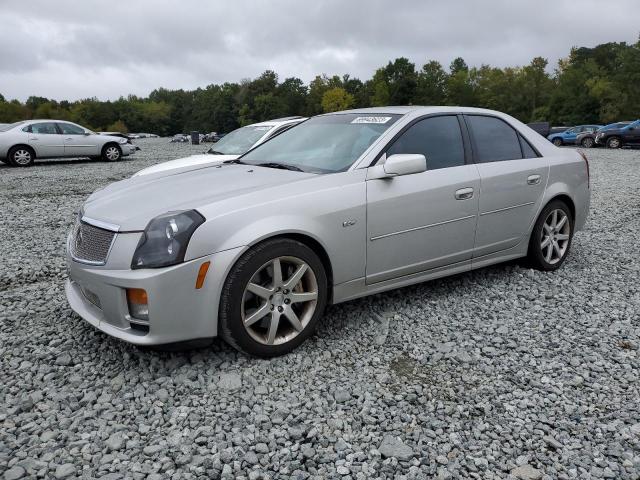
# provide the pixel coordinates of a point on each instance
(236, 161)
(215, 152)
(283, 166)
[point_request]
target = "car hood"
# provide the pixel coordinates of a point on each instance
(133, 202)
(192, 161)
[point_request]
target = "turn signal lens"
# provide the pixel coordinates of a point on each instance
(138, 303)
(202, 274)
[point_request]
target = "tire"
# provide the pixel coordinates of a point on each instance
(588, 142)
(614, 142)
(5, 160)
(557, 142)
(21, 156)
(267, 303)
(111, 152)
(538, 255)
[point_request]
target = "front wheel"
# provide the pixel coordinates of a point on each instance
(557, 142)
(614, 142)
(273, 298)
(551, 237)
(111, 153)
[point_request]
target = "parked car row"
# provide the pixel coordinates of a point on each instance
(614, 135)
(253, 246)
(22, 142)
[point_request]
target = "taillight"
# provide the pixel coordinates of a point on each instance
(584, 157)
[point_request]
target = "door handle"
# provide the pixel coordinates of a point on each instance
(533, 179)
(68, 138)
(33, 138)
(464, 194)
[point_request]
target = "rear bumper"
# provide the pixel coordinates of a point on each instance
(177, 310)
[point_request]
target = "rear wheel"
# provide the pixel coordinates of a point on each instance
(557, 142)
(614, 142)
(587, 142)
(111, 153)
(21, 157)
(551, 237)
(273, 298)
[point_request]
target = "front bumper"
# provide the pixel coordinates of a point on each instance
(177, 310)
(128, 149)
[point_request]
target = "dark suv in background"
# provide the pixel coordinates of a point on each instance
(588, 139)
(619, 136)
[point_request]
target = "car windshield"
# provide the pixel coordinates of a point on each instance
(239, 141)
(8, 126)
(324, 144)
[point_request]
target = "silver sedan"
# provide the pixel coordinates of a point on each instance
(22, 142)
(342, 206)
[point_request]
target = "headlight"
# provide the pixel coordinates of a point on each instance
(164, 241)
(123, 141)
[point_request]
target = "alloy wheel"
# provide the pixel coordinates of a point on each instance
(587, 142)
(614, 143)
(112, 153)
(22, 157)
(279, 300)
(556, 233)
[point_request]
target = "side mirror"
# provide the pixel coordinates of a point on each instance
(86, 134)
(398, 165)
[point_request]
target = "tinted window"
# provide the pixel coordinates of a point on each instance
(494, 139)
(439, 139)
(69, 129)
(527, 149)
(44, 128)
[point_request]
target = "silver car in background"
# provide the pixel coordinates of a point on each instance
(22, 142)
(342, 206)
(231, 146)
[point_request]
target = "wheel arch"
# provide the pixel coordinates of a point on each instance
(563, 197)
(314, 245)
(110, 143)
(22, 145)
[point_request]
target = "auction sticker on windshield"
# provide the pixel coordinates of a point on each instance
(371, 120)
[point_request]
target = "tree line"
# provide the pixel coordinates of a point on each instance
(591, 85)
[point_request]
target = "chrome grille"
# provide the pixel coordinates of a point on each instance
(90, 244)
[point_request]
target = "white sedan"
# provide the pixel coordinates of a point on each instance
(22, 142)
(230, 146)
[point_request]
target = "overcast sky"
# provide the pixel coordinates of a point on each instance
(76, 49)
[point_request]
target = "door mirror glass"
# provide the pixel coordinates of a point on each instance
(405, 164)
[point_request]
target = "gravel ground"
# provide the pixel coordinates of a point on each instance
(500, 373)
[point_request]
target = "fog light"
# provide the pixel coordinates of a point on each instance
(138, 303)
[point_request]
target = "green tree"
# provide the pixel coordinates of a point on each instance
(336, 99)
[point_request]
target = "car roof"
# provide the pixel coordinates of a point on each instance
(417, 109)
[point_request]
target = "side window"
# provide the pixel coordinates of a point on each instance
(27, 129)
(439, 139)
(495, 140)
(69, 129)
(527, 149)
(44, 128)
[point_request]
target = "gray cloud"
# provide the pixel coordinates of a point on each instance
(70, 49)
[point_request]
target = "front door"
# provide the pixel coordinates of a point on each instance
(76, 141)
(427, 220)
(46, 140)
(513, 179)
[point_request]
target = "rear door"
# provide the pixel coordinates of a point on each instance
(76, 141)
(513, 178)
(46, 140)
